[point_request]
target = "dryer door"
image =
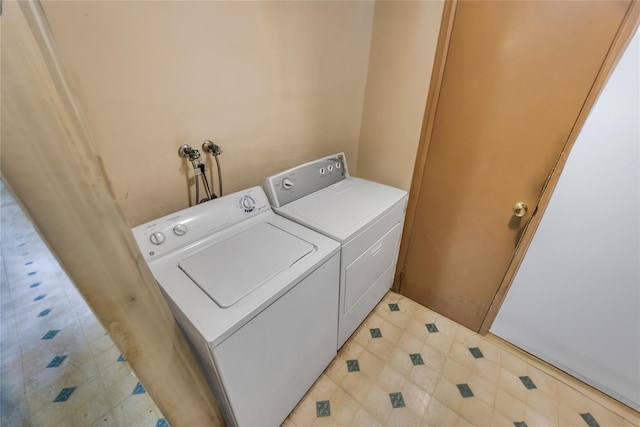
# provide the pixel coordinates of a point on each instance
(365, 271)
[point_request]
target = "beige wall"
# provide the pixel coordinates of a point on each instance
(402, 50)
(273, 83)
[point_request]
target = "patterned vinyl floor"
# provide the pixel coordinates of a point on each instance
(408, 366)
(59, 366)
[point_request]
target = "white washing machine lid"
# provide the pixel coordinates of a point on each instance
(229, 270)
(193, 306)
(343, 209)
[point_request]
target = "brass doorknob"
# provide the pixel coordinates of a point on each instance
(520, 209)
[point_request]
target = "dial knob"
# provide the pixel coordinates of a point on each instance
(157, 238)
(287, 184)
(180, 229)
(248, 203)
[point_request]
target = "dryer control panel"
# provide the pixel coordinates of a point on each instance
(182, 228)
(302, 180)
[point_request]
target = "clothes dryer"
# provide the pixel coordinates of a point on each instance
(365, 217)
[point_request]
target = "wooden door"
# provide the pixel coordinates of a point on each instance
(516, 77)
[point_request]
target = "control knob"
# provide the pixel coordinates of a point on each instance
(180, 229)
(248, 204)
(157, 238)
(287, 184)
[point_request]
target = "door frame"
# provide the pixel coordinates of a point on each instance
(622, 38)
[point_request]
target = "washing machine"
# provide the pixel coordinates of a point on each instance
(255, 294)
(365, 217)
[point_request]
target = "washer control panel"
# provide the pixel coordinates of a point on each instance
(302, 180)
(184, 227)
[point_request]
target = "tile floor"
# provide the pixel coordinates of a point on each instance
(405, 366)
(59, 366)
(408, 366)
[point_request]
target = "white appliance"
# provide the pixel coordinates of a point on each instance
(255, 294)
(364, 216)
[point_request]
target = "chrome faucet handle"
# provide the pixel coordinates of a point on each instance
(211, 147)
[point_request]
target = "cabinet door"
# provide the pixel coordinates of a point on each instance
(516, 77)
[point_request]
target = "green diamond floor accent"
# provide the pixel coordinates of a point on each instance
(465, 390)
(323, 408)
